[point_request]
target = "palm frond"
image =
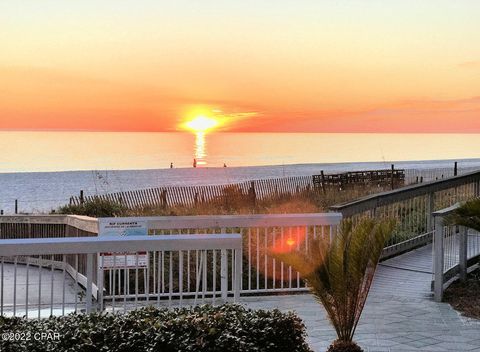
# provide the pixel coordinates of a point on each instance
(339, 273)
(467, 215)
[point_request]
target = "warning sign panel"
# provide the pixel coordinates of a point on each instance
(122, 227)
(123, 260)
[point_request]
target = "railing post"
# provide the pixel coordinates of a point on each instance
(238, 274)
(223, 274)
(89, 274)
(100, 282)
(373, 212)
(430, 209)
(438, 259)
(462, 255)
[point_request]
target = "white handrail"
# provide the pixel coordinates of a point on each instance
(260, 232)
(85, 245)
(20, 252)
(253, 220)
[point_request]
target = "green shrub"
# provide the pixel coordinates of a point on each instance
(201, 328)
(95, 208)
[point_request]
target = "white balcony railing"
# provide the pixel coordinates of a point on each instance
(41, 277)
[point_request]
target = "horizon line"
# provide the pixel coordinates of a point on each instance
(233, 131)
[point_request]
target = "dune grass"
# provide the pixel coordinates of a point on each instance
(230, 203)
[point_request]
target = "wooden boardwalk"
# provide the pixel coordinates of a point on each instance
(407, 275)
(411, 274)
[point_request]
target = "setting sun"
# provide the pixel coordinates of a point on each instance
(201, 124)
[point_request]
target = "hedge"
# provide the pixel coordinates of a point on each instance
(201, 328)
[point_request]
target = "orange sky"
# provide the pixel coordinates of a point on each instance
(381, 66)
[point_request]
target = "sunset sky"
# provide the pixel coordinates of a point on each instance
(305, 66)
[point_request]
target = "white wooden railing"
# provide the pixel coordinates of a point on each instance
(170, 276)
(33, 280)
(261, 273)
(412, 208)
(455, 249)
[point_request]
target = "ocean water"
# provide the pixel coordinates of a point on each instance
(43, 169)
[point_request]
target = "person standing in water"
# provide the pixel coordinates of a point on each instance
(194, 162)
(171, 165)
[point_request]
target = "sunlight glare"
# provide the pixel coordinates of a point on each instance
(201, 124)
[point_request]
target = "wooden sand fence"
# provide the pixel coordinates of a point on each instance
(248, 192)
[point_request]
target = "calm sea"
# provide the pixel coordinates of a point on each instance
(43, 169)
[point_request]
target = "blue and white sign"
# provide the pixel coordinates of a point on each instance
(122, 227)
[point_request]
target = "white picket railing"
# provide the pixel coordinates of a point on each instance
(42, 276)
(170, 276)
(412, 208)
(455, 248)
(262, 234)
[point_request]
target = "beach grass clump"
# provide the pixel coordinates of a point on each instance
(95, 208)
(201, 328)
(279, 206)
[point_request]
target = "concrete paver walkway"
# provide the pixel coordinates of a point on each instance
(400, 314)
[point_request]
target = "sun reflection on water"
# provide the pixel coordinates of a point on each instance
(200, 149)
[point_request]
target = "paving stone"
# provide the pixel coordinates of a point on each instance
(399, 316)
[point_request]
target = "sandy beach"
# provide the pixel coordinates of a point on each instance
(44, 191)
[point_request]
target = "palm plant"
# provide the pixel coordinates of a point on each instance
(339, 273)
(467, 215)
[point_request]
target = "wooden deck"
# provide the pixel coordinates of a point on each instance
(407, 275)
(410, 274)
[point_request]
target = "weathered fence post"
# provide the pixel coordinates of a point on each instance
(462, 255)
(16, 206)
(81, 197)
(438, 259)
(455, 169)
(252, 194)
(323, 181)
(391, 177)
(164, 198)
